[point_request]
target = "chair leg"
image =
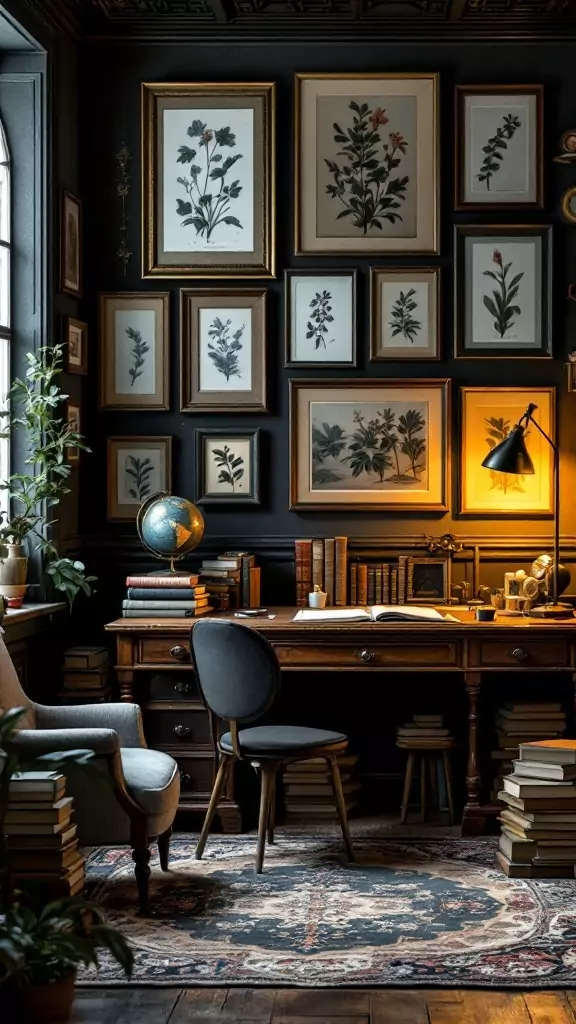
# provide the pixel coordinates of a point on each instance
(433, 766)
(213, 805)
(141, 858)
(164, 848)
(272, 812)
(448, 775)
(267, 773)
(407, 787)
(423, 767)
(341, 806)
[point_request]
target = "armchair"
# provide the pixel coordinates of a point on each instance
(140, 803)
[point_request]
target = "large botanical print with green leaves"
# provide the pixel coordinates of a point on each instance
(209, 183)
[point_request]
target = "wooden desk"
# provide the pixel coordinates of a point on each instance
(473, 649)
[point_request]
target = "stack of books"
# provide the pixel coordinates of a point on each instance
(519, 722)
(165, 596)
(538, 819)
(85, 676)
(424, 732)
(308, 795)
(42, 845)
(233, 576)
(322, 562)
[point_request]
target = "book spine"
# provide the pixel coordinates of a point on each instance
(161, 581)
(394, 586)
(166, 605)
(317, 563)
(303, 560)
(362, 583)
(409, 579)
(341, 571)
(166, 594)
(248, 562)
(254, 587)
(329, 559)
(353, 583)
(378, 584)
(402, 579)
(385, 583)
(187, 613)
(371, 584)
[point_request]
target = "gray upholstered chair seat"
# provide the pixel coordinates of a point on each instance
(282, 740)
(151, 779)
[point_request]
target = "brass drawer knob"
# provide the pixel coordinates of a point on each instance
(519, 654)
(182, 687)
(181, 730)
(365, 656)
(179, 653)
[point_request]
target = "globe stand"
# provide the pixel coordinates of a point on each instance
(169, 528)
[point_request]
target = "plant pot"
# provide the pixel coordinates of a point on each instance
(43, 1004)
(13, 569)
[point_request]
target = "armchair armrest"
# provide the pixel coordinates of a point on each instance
(124, 719)
(32, 742)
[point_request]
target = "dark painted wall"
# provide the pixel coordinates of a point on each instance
(109, 111)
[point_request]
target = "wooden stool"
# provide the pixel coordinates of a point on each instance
(430, 756)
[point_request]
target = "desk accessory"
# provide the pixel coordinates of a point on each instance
(317, 599)
(485, 614)
(511, 456)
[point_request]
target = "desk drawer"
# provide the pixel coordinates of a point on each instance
(519, 654)
(174, 686)
(369, 655)
(163, 650)
(172, 726)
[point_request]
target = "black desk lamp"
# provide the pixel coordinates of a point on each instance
(511, 456)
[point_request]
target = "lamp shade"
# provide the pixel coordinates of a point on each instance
(511, 455)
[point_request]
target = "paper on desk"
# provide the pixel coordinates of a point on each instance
(378, 613)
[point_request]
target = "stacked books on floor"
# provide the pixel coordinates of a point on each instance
(85, 676)
(424, 732)
(538, 818)
(519, 722)
(322, 562)
(232, 580)
(308, 796)
(165, 596)
(42, 845)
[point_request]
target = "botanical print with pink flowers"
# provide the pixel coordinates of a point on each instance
(366, 166)
(504, 294)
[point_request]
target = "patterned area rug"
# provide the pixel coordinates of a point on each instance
(436, 912)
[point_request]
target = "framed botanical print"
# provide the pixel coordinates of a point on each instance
(227, 467)
(320, 317)
(70, 244)
(134, 344)
(499, 140)
(503, 291)
(73, 421)
(208, 176)
(76, 335)
(223, 350)
(366, 163)
(488, 415)
(429, 580)
(367, 444)
(404, 313)
(137, 468)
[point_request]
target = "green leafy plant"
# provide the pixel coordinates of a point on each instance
(402, 322)
(363, 180)
(501, 303)
(320, 315)
(231, 466)
(139, 351)
(495, 146)
(30, 495)
(139, 470)
(223, 350)
(209, 196)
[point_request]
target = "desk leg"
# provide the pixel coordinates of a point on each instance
(473, 819)
(124, 668)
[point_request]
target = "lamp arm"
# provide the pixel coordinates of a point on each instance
(529, 418)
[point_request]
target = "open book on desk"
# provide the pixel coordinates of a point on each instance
(377, 613)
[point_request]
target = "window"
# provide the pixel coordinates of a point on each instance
(5, 332)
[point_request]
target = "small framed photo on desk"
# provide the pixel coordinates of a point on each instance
(428, 580)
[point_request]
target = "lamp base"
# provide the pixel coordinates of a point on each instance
(552, 611)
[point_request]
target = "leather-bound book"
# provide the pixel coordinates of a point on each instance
(329, 564)
(341, 571)
(317, 562)
(303, 560)
(362, 583)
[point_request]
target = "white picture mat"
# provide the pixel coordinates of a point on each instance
(239, 447)
(340, 339)
(526, 257)
(156, 478)
(144, 321)
(516, 179)
(390, 293)
(226, 238)
(210, 378)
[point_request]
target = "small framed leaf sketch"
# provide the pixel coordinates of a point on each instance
(73, 421)
(320, 317)
(70, 244)
(223, 352)
(499, 137)
(404, 313)
(502, 292)
(137, 468)
(134, 365)
(227, 467)
(76, 337)
(429, 580)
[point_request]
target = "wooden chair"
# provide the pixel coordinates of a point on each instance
(430, 759)
(239, 677)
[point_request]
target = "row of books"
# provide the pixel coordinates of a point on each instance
(165, 596)
(232, 580)
(308, 796)
(519, 722)
(381, 582)
(538, 817)
(424, 732)
(323, 562)
(85, 676)
(42, 844)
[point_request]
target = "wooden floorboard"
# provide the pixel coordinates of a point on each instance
(321, 1006)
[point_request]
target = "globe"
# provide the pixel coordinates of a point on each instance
(169, 527)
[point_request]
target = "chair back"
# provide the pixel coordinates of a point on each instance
(236, 669)
(11, 693)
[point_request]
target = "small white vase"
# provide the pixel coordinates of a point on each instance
(317, 599)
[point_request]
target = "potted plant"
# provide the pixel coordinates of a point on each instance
(29, 496)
